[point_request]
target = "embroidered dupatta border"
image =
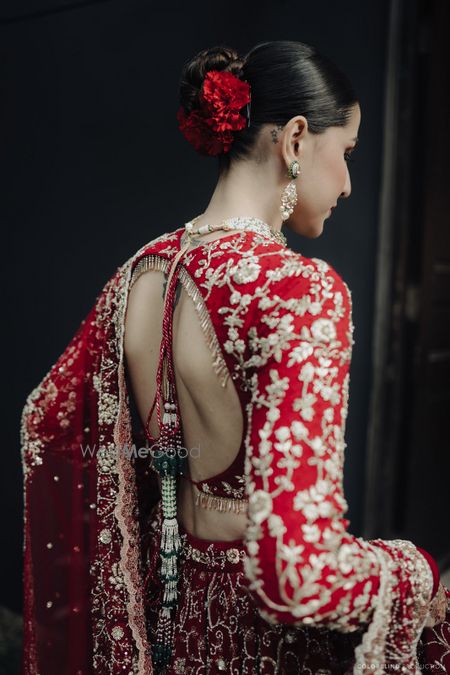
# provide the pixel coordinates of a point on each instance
(391, 639)
(124, 511)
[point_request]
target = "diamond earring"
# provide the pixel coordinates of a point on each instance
(289, 195)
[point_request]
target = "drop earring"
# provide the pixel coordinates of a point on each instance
(289, 195)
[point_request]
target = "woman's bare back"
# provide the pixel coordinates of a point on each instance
(211, 414)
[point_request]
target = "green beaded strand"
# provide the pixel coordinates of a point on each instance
(169, 464)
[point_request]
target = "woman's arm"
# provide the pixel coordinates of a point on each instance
(303, 564)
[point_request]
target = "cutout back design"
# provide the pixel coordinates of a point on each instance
(230, 482)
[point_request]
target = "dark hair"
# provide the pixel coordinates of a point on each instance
(286, 78)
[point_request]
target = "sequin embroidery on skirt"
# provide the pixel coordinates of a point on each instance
(218, 628)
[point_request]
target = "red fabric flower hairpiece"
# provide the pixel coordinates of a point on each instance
(210, 128)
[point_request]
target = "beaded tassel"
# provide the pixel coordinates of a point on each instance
(169, 462)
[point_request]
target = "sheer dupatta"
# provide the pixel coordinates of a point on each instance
(86, 494)
(86, 497)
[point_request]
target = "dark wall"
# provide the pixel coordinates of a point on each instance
(94, 167)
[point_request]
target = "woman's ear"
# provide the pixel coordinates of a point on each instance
(293, 136)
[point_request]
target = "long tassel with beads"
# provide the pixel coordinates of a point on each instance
(169, 462)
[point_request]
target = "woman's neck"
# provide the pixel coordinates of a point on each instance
(242, 193)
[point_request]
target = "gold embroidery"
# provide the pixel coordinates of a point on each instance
(209, 501)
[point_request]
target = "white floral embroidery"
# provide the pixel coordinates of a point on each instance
(246, 270)
(323, 329)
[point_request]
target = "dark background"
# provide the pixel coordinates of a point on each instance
(94, 166)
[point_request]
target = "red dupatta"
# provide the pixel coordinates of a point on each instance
(86, 496)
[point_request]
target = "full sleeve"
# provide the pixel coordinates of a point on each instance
(303, 566)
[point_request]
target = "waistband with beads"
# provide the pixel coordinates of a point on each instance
(211, 555)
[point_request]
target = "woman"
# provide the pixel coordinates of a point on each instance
(220, 543)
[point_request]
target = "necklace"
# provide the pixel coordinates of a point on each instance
(237, 223)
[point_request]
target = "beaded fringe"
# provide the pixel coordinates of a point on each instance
(220, 503)
(157, 262)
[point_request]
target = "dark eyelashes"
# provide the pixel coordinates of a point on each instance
(348, 158)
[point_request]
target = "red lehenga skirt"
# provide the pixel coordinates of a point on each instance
(219, 630)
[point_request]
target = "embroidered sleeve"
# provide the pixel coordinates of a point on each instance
(303, 566)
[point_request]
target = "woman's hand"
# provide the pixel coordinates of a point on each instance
(438, 607)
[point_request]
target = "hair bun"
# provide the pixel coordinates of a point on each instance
(194, 71)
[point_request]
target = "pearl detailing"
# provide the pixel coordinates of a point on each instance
(237, 223)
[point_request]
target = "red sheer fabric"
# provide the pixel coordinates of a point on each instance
(434, 568)
(281, 323)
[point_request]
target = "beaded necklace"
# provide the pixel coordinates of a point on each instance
(237, 223)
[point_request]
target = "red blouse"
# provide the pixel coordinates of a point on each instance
(281, 324)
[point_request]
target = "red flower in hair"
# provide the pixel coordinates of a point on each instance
(210, 128)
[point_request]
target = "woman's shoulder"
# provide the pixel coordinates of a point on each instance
(251, 261)
(163, 243)
(293, 273)
(154, 253)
